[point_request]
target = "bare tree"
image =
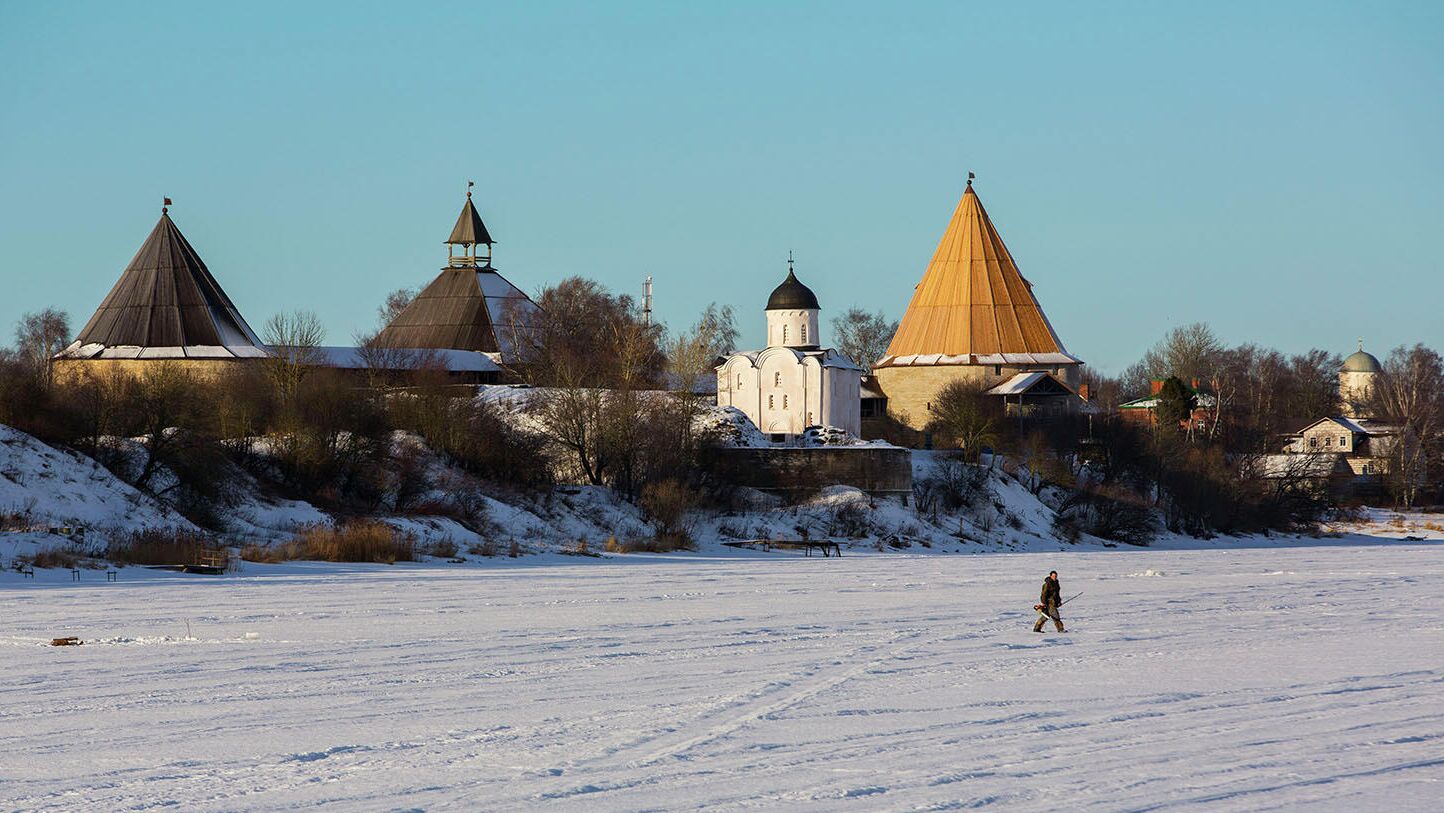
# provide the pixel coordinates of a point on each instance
(294, 340)
(693, 355)
(386, 366)
(862, 336)
(1104, 391)
(585, 336)
(962, 413)
(38, 337)
(394, 304)
(1409, 391)
(1190, 352)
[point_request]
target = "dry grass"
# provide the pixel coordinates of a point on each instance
(442, 548)
(661, 543)
(358, 541)
(154, 546)
(54, 557)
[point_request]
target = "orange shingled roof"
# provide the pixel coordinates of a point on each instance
(972, 300)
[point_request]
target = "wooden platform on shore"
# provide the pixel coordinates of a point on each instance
(807, 546)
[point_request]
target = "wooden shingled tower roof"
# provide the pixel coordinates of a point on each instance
(469, 306)
(167, 299)
(469, 229)
(972, 305)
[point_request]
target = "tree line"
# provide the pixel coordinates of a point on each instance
(1207, 462)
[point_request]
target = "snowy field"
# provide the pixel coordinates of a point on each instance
(1289, 678)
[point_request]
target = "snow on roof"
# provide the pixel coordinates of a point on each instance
(1358, 426)
(453, 361)
(1205, 400)
(704, 385)
(1018, 384)
(94, 350)
(828, 357)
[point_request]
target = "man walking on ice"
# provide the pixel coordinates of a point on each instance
(1048, 602)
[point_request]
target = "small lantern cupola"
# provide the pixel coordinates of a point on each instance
(468, 233)
(792, 311)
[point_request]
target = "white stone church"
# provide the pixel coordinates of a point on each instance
(794, 384)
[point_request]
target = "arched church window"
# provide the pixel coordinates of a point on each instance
(777, 379)
(770, 405)
(804, 334)
(784, 400)
(809, 420)
(784, 334)
(739, 381)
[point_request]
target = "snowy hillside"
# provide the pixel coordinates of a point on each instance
(42, 486)
(985, 509)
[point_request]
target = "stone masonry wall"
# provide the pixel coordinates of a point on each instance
(885, 471)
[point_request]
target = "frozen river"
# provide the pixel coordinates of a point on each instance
(1288, 678)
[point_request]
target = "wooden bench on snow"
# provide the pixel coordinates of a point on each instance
(807, 546)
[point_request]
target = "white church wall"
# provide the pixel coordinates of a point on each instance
(842, 400)
(783, 392)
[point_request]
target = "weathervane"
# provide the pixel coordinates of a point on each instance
(469, 185)
(971, 176)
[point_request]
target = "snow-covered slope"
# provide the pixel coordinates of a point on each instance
(44, 486)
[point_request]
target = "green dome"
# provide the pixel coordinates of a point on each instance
(1361, 362)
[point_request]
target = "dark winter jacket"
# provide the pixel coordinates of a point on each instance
(1052, 593)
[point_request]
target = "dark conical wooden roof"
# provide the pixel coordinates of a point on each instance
(464, 309)
(167, 298)
(469, 229)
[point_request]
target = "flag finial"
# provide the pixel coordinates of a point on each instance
(165, 206)
(971, 176)
(469, 185)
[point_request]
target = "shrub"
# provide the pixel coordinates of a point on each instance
(514, 550)
(668, 503)
(162, 546)
(850, 520)
(661, 543)
(486, 548)
(356, 541)
(266, 554)
(443, 548)
(54, 557)
(952, 485)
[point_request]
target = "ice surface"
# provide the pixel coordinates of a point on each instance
(1285, 678)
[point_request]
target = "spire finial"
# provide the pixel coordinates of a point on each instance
(1361, 344)
(789, 261)
(469, 185)
(165, 206)
(971, 176)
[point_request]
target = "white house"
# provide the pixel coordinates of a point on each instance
(794, 383)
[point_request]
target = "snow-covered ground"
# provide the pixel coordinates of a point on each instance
(1292, 677)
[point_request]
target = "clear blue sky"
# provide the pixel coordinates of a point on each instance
(1276, 170)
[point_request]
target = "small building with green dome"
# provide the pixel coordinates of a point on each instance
(1356, 383)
